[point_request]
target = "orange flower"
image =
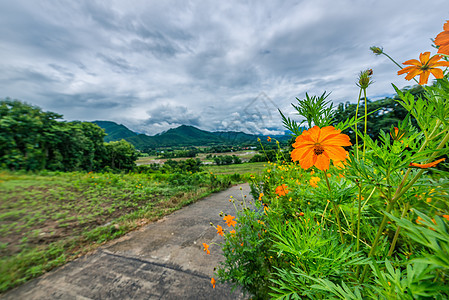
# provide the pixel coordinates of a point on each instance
(317, 146)
(282, 190)
(424, 67)
(229, 220)
(232, 232)
(220, 230)
(213, 282)
(446, 217)
(206, 248)
(314, 181)
(260, 196)
(442, 39)
(429, 165)
(269, 139)
(418, 220)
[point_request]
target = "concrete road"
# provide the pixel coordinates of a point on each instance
(163, 260)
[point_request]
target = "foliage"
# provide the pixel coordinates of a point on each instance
(31, 139)
(385, 113)
(373, 226)
(227, 160)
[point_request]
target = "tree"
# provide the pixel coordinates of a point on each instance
(120, 155)
(387, 112)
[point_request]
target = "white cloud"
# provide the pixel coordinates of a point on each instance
(203, 63)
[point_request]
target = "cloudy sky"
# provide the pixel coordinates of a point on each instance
(217, 65)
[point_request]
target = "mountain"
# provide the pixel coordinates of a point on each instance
(181, 136)
(115, 131)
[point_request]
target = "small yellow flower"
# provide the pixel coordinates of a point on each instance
(314, 181)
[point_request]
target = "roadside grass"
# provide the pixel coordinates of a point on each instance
(50, 218)
(242, 169)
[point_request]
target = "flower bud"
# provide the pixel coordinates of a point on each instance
(377, 50)
(365, 78)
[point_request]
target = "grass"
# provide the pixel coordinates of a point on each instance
(242, 169)
(48, 219)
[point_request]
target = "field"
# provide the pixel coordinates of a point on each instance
(50, 218)
(245, 168)
(244, 155)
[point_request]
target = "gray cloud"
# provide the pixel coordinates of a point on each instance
(153, 65)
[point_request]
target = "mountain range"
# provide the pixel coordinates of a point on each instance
(181, 136)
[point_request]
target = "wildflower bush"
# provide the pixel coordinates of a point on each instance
(351, 219)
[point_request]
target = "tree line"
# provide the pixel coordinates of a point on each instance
(31, 139)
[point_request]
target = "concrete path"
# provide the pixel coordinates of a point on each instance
(163, 260)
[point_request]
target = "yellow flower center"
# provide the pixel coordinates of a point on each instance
(318, 149)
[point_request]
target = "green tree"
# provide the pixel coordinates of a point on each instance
(120, 155)
(385, 113)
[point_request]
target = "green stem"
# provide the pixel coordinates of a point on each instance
(260, 142)
(355, 126)
(366, 122)
(399, 192)
(400, 67)
(396, 234)
(359, 212)
(377, 238)
(404, 190)
(358, 217)
(336, 209)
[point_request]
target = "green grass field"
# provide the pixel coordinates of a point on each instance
(49, 219)
(245, 168)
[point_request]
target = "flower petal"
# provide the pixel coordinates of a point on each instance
(424, 77)
(322, 162)
(407, 69)
(335, 153)
(444, 49)
(438, 73)
(424, 57)
(413, 62)
(413, 73)
(308, 161)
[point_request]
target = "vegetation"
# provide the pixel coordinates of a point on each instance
(31, 139)
(115, 132)
(351, 218)
(227, 160)
(49, 218)
(385, 113)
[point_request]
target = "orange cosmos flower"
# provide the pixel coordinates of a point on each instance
(429, 165)
(269, 139)
(232, 232)
(282, 190)
(424, 67)
(442, 39)
(446, 217)
(230, 220)
(206, 248)
(220, 230)
(317, 146)
(213, 282)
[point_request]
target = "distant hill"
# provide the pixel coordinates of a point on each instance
(115, 131)
(181, 136)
